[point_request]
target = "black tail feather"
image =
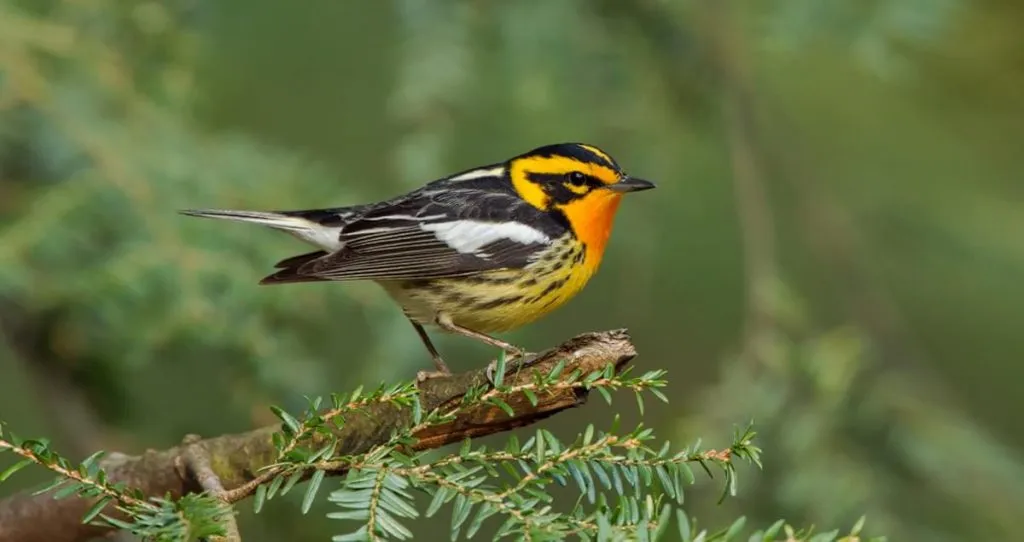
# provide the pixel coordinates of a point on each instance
(290, 275)
(296, 261)
(289, 269)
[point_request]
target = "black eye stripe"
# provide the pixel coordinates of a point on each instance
(558, 178)
(545, 178)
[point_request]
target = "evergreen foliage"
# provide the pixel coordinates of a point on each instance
(627, 489)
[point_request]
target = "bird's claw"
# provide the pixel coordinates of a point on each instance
(515, 360)
(423, 376)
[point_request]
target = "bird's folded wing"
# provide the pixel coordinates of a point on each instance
(401, 248)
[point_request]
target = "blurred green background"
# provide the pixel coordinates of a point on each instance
(835, 250)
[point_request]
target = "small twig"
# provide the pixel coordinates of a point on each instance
(196, 461)
(72, 475)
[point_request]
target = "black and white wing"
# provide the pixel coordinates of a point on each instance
(430, 234)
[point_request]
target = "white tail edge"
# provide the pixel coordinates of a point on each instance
(311, 232)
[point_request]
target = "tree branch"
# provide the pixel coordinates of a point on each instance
(197, 463)
(236, 460)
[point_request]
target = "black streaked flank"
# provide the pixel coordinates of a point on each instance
(550, 289)
(528, 282)
(426, 285)
(489, 279)
(498, 302)
(565, 256)
(457, 298)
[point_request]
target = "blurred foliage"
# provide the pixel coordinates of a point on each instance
(879, 351)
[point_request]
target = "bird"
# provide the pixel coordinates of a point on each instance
(479, 252)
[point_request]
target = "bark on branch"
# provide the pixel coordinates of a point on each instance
(196, 462)
(236, 460)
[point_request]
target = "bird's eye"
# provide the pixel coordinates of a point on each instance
(577, 178)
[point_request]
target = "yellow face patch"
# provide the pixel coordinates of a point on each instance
(530, 191)
(577, 188)
(534, 194)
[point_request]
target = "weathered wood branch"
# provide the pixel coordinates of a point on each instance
(236, 460)
(196, 462)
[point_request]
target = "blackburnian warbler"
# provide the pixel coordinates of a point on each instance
(482, 251)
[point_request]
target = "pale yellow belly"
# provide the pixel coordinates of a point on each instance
(499, 300)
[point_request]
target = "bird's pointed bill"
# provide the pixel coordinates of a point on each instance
(631, 184)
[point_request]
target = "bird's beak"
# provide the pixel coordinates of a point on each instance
(630, 184)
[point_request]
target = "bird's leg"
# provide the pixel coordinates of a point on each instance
(442, 367)
(445, 323)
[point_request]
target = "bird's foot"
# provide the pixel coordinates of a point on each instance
(516, 359)
(423, 376)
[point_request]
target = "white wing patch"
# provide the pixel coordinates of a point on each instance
(326, 238)
(469, 236)
(479, 174)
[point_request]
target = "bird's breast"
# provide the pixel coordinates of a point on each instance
(591, 219)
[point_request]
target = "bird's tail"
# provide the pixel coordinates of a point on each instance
(279, 221)
(306, 225)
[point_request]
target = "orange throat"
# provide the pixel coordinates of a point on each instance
(592, 218)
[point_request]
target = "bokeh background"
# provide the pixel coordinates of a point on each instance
(835, 250)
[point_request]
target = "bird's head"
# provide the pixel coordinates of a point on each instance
(577, 183)
(571, 176)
